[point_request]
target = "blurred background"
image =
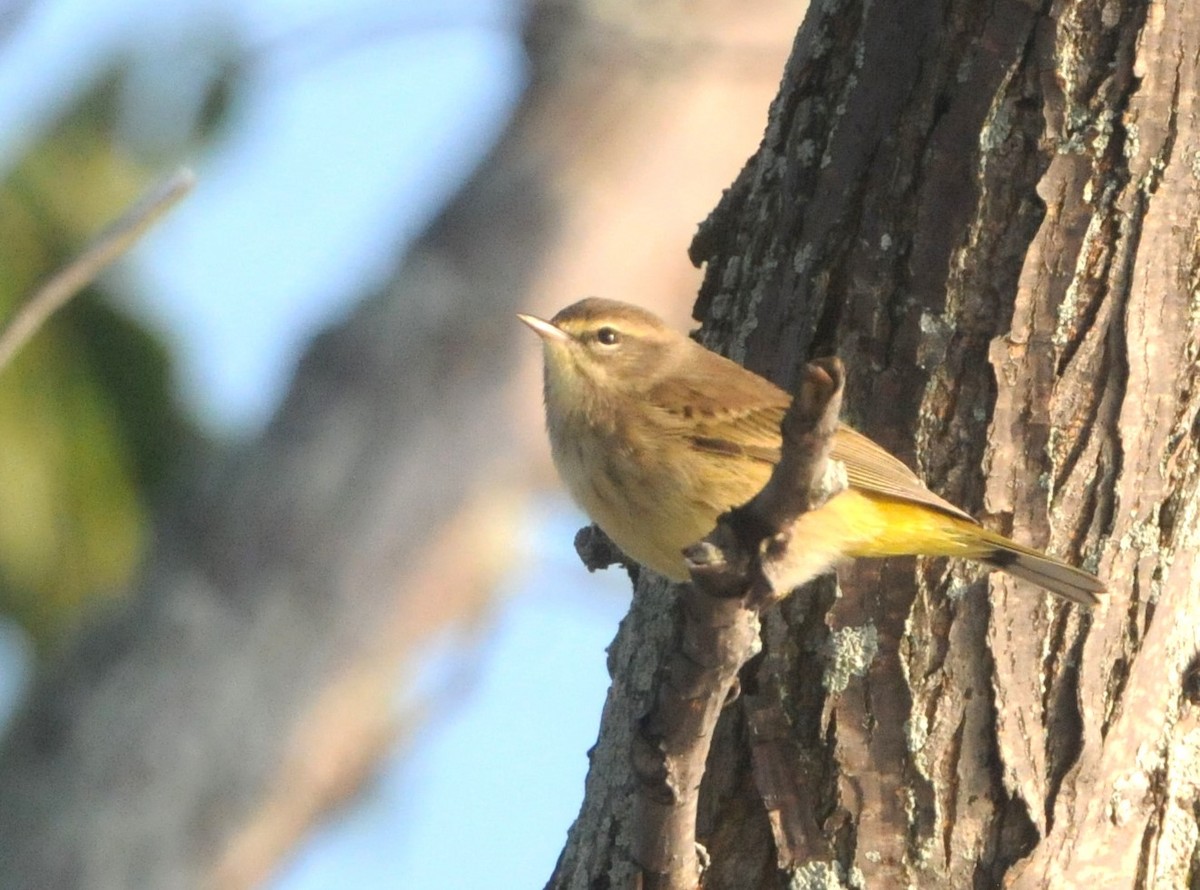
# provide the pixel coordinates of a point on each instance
(287, 590)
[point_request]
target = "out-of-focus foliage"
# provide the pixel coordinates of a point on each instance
(88, 428)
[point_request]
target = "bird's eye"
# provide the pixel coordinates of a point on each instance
(608, 336)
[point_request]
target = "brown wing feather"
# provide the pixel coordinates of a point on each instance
(870, 468)
(755, 407)
(748, 403)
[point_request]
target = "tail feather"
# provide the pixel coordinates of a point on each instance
(1041, 569)
(880, 525)
(1051, 574)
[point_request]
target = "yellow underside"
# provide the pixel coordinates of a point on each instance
(852, 524)
(876, 525)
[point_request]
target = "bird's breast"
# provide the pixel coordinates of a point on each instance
(650, 492)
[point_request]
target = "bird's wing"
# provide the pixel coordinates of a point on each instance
(720, 407)
(745, 420)
(872, 469)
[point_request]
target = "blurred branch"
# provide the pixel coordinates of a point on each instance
(636, 38)
(172, 744)
(107, 247)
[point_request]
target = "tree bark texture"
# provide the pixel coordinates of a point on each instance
(991, 212)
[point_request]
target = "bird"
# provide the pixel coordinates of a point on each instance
(656, 436)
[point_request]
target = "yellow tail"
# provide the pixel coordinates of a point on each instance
(878, 525)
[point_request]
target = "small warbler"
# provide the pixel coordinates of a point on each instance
(655, 436)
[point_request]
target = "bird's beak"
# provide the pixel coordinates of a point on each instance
(544, 329)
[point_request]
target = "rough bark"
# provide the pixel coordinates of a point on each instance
(991, 213)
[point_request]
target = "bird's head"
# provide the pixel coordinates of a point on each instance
(597, 347)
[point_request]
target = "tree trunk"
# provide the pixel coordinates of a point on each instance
(991, 212)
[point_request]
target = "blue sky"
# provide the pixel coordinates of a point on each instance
(500, 772)
(268, 249)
